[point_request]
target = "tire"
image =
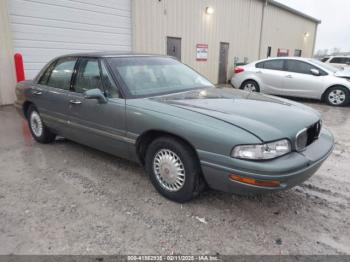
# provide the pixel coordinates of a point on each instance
(37, 127)
(250, 85)
(159, 153)
(337, 96)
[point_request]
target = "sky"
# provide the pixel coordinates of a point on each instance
(334, 31)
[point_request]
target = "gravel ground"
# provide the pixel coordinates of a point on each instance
(64, 198)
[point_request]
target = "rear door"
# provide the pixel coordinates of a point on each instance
(299, 80)
(271, 75)
(50, 95)
(100, 125)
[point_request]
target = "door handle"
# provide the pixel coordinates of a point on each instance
(37, 92)
(259, 72)
(75, 102)
(289, 76)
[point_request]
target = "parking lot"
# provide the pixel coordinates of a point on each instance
(64, 198)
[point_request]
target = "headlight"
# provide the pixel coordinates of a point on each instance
(262, 151)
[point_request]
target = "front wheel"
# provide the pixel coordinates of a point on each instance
(173, 169)
(337, 96)
(37, 127)
(250, 86)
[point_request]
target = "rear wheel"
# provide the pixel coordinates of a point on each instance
(250, 86)
(173, 169)
(37, 127)
(337, 96)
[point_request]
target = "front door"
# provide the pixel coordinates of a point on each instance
(100, 125)
(299, 80)
(223, 61)
(174, 47)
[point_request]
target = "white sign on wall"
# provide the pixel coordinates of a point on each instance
(202, 52)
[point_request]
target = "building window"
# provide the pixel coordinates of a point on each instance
(297, 52)
(282, 52)
(268, 51)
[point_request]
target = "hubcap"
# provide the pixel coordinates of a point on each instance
(337, 97)
(36, 124)
(250, 87)
(169, 170)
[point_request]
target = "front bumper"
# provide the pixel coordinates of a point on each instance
(291, 169)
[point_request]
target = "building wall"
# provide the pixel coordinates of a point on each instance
(283, 29)
(237, 22)
(7, 75)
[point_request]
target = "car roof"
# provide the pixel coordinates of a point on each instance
(332, 56)
(284, 57)
(109, 54)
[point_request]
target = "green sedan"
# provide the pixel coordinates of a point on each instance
(186, 133)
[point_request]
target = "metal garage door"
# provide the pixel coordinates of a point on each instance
(43, 29)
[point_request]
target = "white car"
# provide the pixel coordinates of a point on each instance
(337, 61)
(297, 77)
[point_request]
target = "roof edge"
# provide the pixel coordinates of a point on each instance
(293, 11)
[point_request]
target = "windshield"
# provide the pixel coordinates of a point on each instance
(324, 65)
(151, 76)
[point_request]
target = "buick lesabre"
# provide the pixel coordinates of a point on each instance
(187, 133)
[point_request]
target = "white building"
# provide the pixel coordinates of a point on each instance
(209, 35)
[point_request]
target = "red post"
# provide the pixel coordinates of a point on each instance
(19, 67)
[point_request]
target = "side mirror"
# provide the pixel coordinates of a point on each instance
(95, 94)
(315, 72)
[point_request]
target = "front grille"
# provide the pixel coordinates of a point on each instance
(307, 136)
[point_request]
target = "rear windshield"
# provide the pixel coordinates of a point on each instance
(152, 76)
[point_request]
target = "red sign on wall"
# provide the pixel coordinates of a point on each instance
(282, 52)
(202, 52)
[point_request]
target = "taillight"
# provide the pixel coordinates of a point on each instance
(238, 70)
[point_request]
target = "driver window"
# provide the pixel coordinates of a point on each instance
(299, 67)
(88, 76)
(111, 89)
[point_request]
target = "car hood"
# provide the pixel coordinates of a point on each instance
(267, 117)
(343, 73)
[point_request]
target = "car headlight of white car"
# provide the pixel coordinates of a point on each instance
(262, 151)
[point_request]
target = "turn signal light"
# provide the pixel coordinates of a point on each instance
(238, 70)
(255, 182)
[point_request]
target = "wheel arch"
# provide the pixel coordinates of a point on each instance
(25, 108)
(323, 96)
(250, 79)
(146, 138)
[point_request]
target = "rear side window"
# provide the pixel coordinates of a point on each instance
(46, 75)
(325, 59)
(260, 65)
(271, 64)
(300, 67)
(340, 60)
(61, 74)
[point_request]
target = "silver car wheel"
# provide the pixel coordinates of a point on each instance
(169, 170)
(336, 97)
(249, 87)
(36, 124)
